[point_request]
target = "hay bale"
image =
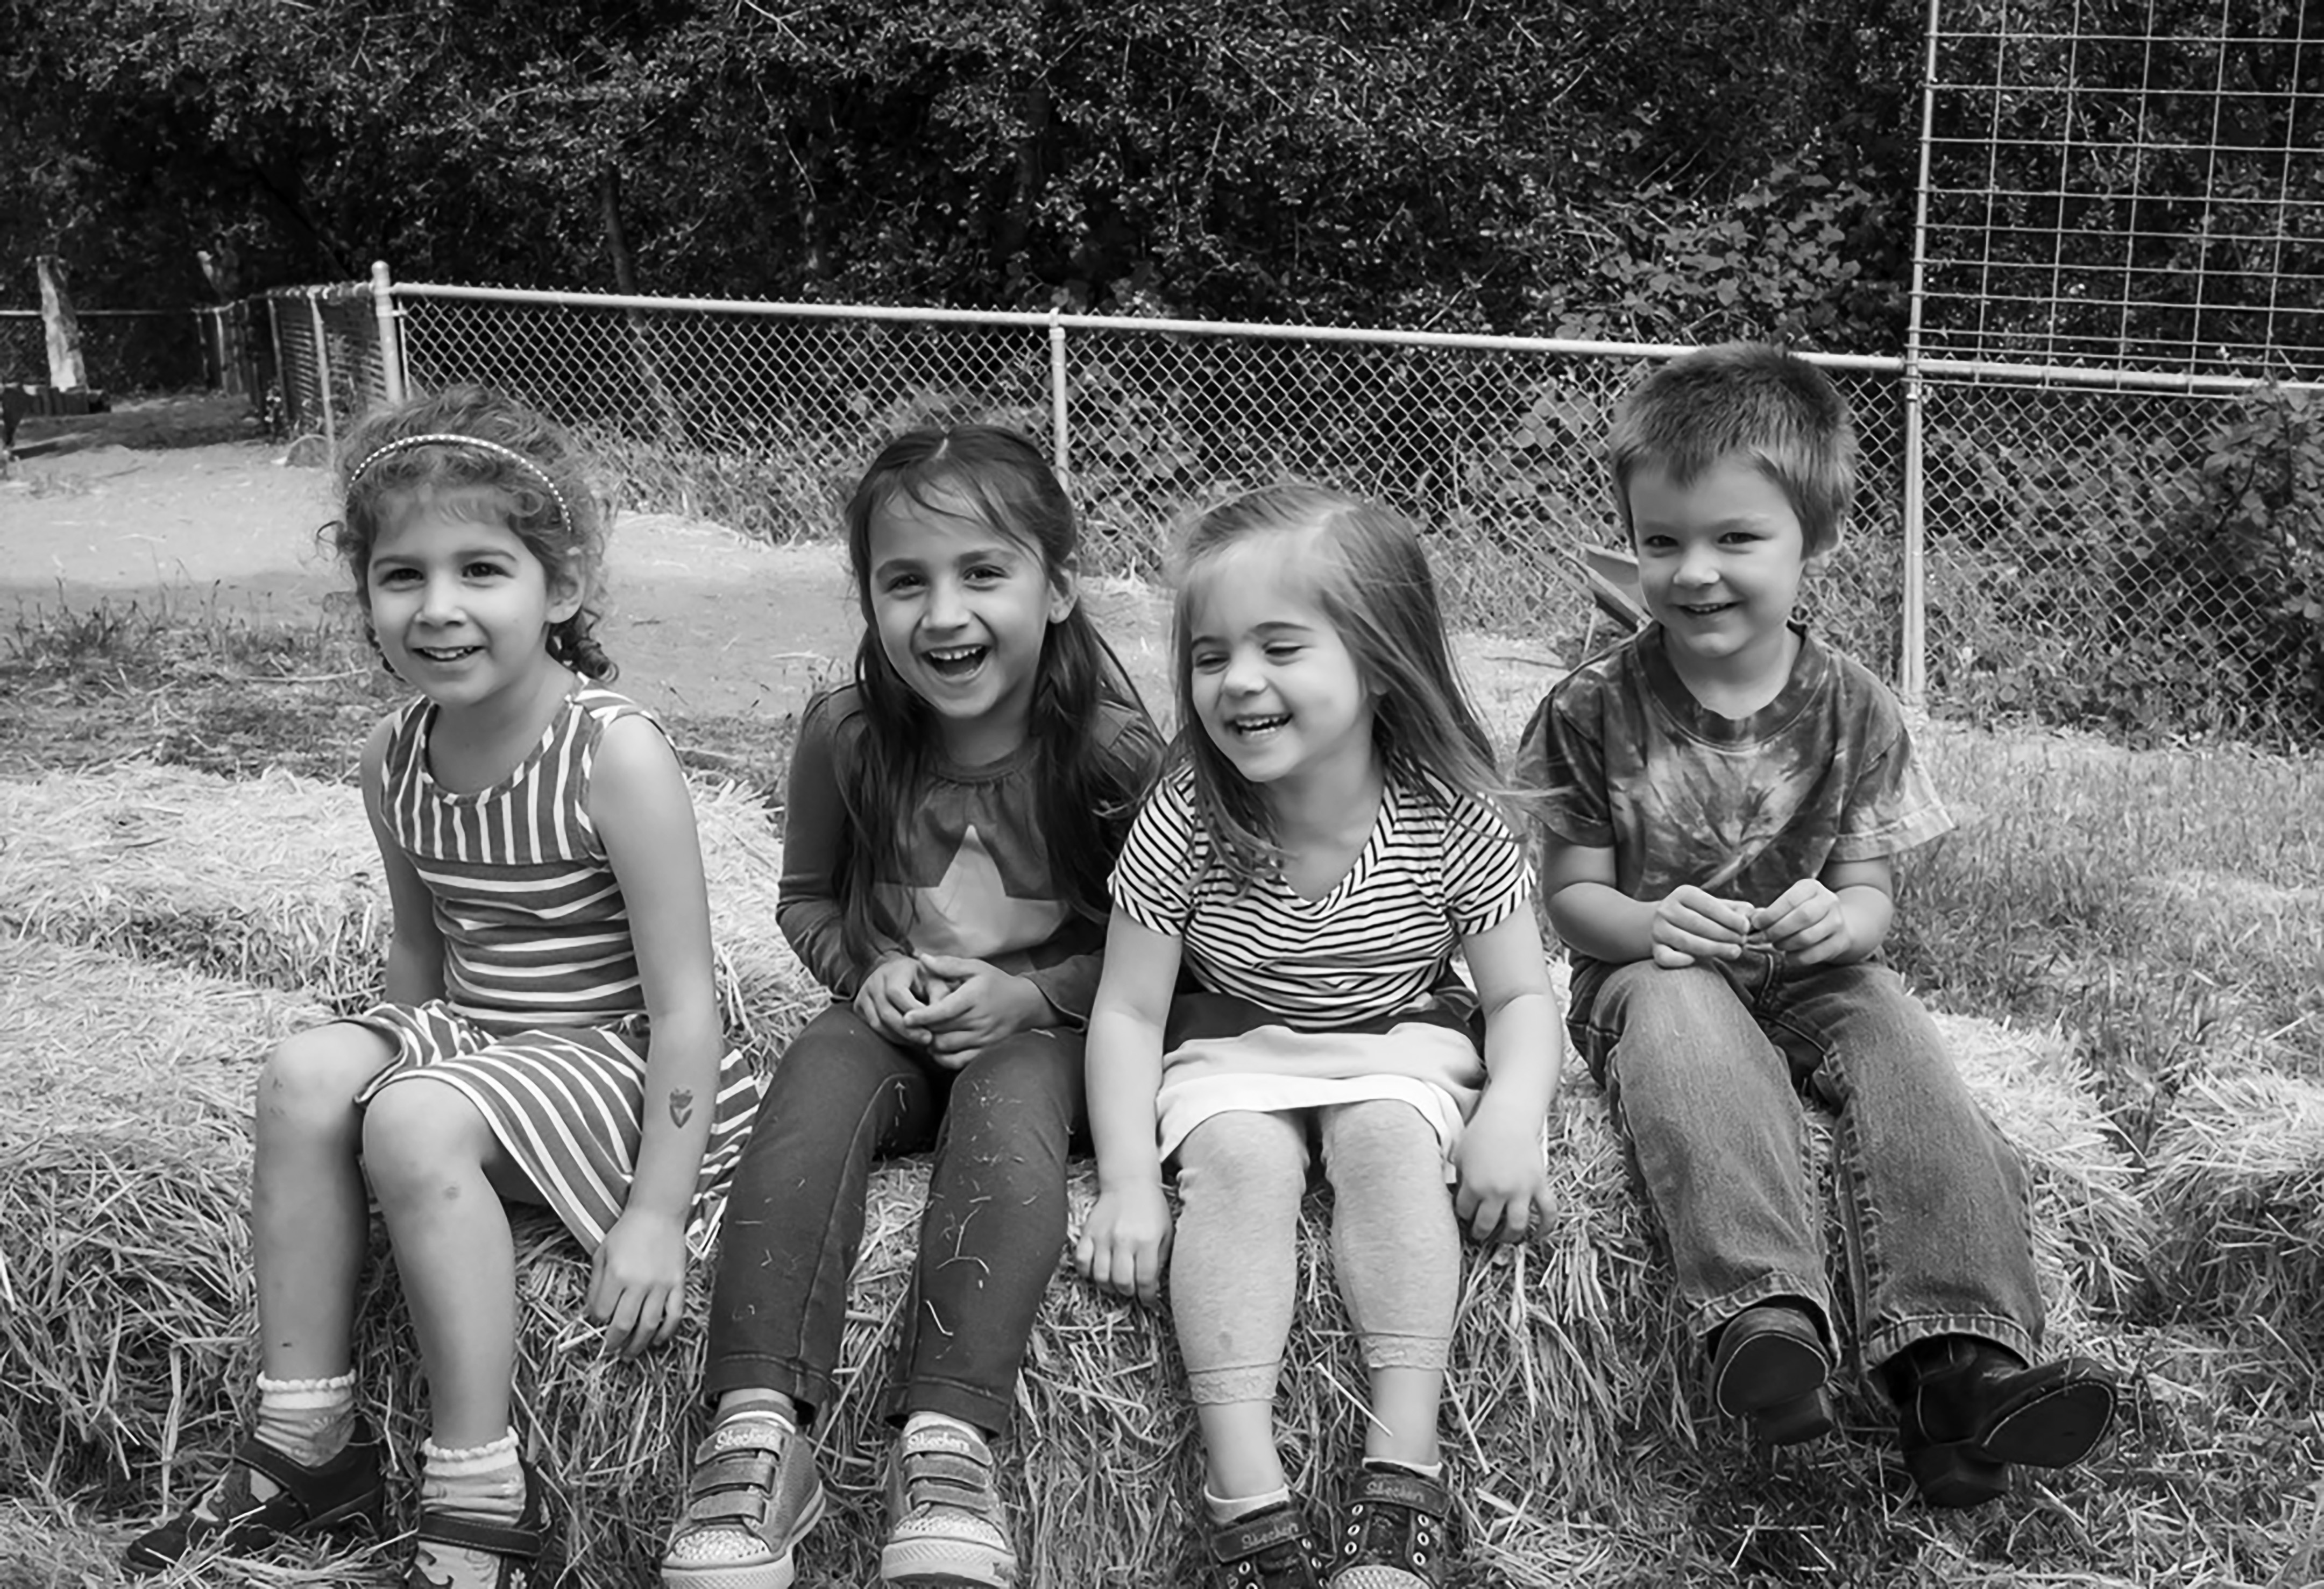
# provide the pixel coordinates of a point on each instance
(97, 1038)
(1574, 1419)
(275, 881)
(2238, 1177)
(272, 880)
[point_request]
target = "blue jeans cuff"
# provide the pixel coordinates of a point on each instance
(1894, 1337)
(1711, 1316)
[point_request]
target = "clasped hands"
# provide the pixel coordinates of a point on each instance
(1806, 924)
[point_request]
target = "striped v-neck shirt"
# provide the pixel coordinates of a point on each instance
(1437, 867)
(535, 932)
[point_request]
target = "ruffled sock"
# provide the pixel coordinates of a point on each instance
(309, 1421)
(483, 1483)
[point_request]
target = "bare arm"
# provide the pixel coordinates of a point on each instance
(1504, 1181)
(639, 801)
(1121, 1246)
(1596, 918)
(415, 948)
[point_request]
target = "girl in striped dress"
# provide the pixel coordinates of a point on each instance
(551, 1034)
(1329, 838)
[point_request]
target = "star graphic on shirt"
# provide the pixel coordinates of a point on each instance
(969, 910)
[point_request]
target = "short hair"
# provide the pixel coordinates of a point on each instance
(1774, 407)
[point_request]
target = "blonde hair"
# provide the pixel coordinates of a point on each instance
(1370, 578)
(1773, 407)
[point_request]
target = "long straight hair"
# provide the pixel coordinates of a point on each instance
(1001, 479)
(1364, 564)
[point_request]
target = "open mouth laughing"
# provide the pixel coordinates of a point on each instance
(956, 662)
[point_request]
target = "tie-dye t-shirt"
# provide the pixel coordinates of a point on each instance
(1627, 760)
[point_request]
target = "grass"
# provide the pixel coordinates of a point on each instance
(2161, 910)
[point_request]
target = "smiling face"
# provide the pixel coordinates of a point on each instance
(460, 605)
(1719, 565)
(1272, 683)
(962, 610)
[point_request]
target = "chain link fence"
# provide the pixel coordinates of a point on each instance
(2149, 562)
(762, 421)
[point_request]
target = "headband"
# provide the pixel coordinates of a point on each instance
(434, 439)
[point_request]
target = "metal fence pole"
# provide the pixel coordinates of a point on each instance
(282, 382)
(391, 347)
(323, 366)
(1061, 438)
(1913, 640)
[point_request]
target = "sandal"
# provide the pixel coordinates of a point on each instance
(525, 1553)
(1395, 1535)
(344, 1493)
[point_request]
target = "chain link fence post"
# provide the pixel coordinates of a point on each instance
(391, 355)
(1060, 435)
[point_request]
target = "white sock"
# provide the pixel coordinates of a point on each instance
(1225, 1509)
(1426, 1470)
(309, 1421)
(484, 1482)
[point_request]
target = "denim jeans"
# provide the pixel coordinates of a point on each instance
(990, 1237)
(1705, 1067)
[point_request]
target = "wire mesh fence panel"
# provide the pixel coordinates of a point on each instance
(2127, 184)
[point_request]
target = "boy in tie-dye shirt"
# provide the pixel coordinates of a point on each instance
(1722, 799)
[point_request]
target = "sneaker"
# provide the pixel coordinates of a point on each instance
(945, 1525)
(752, 1496)
(1770, 1368)
(1269, 1549)
(1394, 1534)
(343, 1494)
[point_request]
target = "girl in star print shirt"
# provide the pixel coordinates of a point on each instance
(953, 817)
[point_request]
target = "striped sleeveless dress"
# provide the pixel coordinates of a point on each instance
(542, 1025)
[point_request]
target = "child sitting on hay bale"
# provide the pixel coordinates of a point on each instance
(952, 815)
(552, 1032)
(1721, 797)
(1331, 838)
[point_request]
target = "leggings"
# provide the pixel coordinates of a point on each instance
(990, 1235)
(1395, 1245)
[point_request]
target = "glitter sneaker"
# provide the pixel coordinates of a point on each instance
(945, 1526)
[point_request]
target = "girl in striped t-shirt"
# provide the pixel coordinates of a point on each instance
(551, 1034)
(1329, 839)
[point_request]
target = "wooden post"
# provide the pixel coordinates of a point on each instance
(65, 369)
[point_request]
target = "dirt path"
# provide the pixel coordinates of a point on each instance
(700, 619)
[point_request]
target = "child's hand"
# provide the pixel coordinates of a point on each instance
(891, 991)
(1693, 925)
(1504, 1177)
(1122, 1246)
(1806, 923)
(637, 1282)
(974, 1005)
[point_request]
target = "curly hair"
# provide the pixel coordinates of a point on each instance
(480, 441)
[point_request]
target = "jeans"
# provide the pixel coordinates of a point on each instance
(990, 1237)
(1704, 1068)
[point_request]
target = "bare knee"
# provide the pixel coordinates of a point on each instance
(308, 1082)
(419, 1135)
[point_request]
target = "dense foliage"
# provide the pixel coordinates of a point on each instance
(1594, 167)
